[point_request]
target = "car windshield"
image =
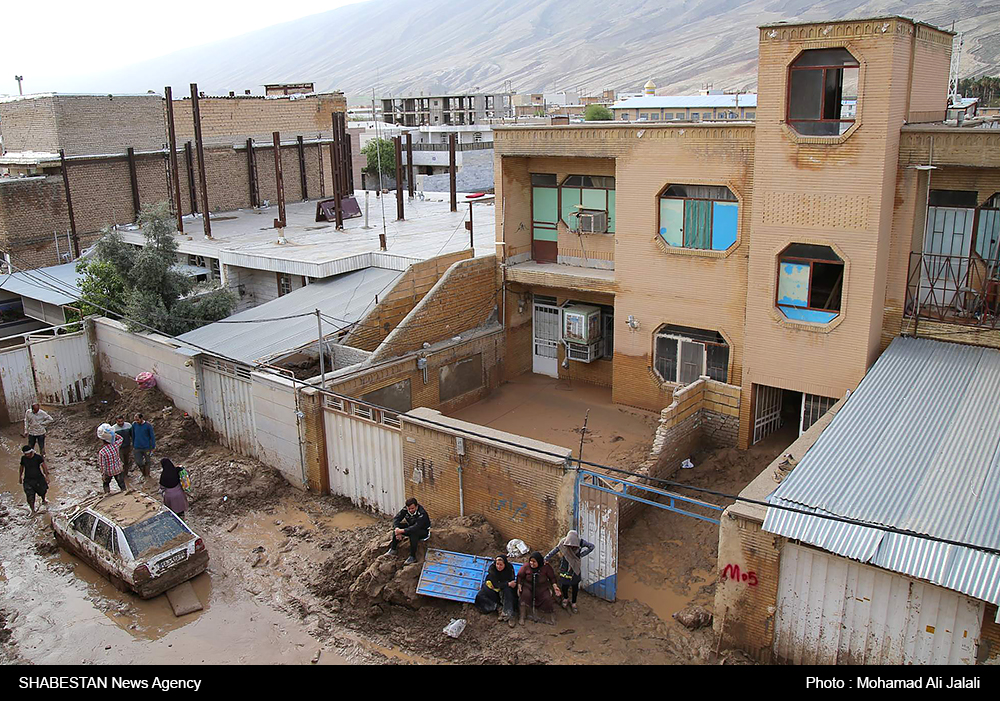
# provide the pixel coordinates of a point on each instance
(155, 533)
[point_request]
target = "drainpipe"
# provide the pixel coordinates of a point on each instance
(461, 499)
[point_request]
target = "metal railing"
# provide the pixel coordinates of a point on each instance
(963, 290)
(473, 146)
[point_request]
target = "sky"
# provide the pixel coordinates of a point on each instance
(53, 40)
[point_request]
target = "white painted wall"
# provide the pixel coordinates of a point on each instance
(276, 425)
(126, 355)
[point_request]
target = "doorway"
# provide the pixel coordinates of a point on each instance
(545, 336)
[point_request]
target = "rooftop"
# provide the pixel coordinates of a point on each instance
(686, 101)
(52, 285)
(263, 332)
(247, 237)
(916, 447)
(807, 23)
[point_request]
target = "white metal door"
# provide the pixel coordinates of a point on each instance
(18, 382)
(597, 522)
(64, 368)
(364, 453)
(832, 610)
(767, 411)
(813, 408)
(228, 397)
(545, 332)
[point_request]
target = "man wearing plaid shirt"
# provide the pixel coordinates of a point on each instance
(110, 460)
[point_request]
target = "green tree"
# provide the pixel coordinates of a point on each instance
(145, 285)
(380, 152)
(597, 113)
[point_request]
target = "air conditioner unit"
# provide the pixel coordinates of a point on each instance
(581, 324)
(590, 221)
(584, 352)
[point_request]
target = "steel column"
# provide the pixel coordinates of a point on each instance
(398, 146)
(319, 150)
(451, 173)
(252, 175)
(172, 134)
(133, 180)
(410, 183)
(69, 204)
(279, 181)
(192, 193)
(339, 183)
(302, 169)
(200, 144)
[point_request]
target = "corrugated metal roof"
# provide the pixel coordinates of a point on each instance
(39, 284)
(454, 576)
(916, 447)
(685, 101)
(346, 298)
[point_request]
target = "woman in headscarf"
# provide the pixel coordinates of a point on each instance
(170, 488)
(497, 592)
(571, 549)
(536, 583)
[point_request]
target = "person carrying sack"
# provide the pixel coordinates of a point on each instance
(571, 550)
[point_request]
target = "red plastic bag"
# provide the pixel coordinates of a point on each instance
(146, 380)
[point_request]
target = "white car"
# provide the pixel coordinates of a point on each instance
(134, 540)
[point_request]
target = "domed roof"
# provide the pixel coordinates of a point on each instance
(650, 83)
(649, 88)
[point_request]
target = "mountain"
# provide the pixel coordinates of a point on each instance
(437, 46)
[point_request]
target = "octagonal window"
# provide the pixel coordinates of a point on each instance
(810, 283)
(823, 92)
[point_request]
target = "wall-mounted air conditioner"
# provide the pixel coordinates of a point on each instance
(581, 324)
(590, 221)
(585, 352)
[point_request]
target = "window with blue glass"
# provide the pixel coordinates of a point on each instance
(698, 216)
(810, 283)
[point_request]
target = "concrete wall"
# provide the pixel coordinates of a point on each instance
(123, 355)
(416, 282)
(521, 493)
(475, 174)
(465, 297)
(276, 426)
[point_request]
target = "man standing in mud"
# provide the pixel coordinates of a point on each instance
(143, 442)
(123, 428)
(35, 421)
(33, 475)
(411, 522)
(109, 458)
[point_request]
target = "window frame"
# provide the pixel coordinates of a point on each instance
(822, 104)
(282, 277)
(711, 211)
(809, 261)
(666, 332)
(612, 224)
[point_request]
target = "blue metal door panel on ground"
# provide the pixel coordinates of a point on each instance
(454, 576)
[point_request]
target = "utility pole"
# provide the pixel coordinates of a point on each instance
(322, 360)
(19, 78)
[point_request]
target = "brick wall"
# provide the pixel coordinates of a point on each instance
(521, 493)
(989, 636)
(83, 124)
(464, 298)
(704, 413)
(313, 440)
(427, 394)
(243, 116)
(416, 282)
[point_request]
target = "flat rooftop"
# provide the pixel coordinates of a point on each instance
(247, 237)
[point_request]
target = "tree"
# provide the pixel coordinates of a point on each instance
(145, 285)
(597, 113)
(380, 152)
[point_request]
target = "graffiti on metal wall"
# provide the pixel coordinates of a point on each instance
(733, 572)
(518, 512)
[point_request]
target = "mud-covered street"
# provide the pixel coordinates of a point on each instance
(296, 578)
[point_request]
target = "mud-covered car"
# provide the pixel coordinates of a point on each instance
(134, 540)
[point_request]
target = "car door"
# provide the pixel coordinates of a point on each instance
(106, 550)
(81, 532)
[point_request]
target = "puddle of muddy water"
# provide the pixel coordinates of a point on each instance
(664, 601)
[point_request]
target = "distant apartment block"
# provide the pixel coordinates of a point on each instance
(440, 110)
(705, 107)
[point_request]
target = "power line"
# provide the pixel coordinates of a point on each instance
(580, 462)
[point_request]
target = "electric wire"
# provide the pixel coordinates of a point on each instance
(568, 460)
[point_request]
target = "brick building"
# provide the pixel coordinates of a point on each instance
(779, 257)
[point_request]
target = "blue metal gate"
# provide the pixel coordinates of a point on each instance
(596, 514)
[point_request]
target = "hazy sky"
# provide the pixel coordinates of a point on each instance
(47, 41)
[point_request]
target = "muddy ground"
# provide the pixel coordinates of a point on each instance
(295, 577)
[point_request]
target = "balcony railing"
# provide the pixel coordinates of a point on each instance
(962, 290)
(471, 146)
